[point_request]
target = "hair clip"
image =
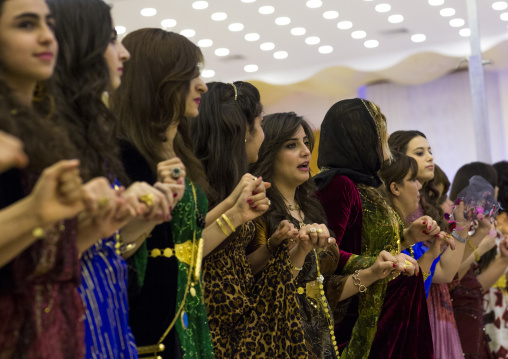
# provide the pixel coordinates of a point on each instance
(234, 87)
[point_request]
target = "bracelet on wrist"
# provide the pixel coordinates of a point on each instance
(474, 249)
(357, 282)
(268, 245)
(458, 237)
(296, 268)
(222, 227)
(228, 222)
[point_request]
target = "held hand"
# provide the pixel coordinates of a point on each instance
(503, 249)
(247, 205)
(383, 266)
(11, 152)
(285, 230)
(157, 201)
(405, 265)
(171, 171)
(58, 192)
(482, 230)
(244, 182)
(314, 236)
(423, 229)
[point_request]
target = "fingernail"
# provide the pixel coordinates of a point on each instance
(430, 227)
(249, 200)
(405, 269)
(437, 235)
(394, 265)
(180, 181)
(424, 222)
(175, 194)
(329, 240)
(255, 192)
(255, 207)
(424, 232)
(170, 209)
(260, 177)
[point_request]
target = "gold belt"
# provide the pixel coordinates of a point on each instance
(152, 350)
(182, 251)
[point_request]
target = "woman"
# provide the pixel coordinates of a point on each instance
(253, 316)
(87, 66)
(39, 274)
(467, 291)
(284, 158)
(166, 303)
(352, 148)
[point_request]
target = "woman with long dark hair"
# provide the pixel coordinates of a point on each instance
(161, 89)
(284, 159)
(390, 319)
(250, 298)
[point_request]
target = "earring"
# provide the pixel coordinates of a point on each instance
(245, 140)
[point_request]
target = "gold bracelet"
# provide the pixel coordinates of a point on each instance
(228, 222)
(357, 282)
(38, 233)
(269, 246)
(222, 227)
(473, 248)
(425, 275)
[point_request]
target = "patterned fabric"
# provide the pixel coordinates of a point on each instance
(41, 311)
(252, 317)
(495, 305)
(103, 290)
(316, 314)
(445, 336)
(392, 314)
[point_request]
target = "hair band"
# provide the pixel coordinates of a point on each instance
(373, 118)
(234, 87)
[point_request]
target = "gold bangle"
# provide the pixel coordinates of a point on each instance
(228, 222)
(38, 233)
(270, 248)
(222, 227)
(473, 248)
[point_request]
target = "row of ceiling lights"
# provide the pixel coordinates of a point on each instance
(299, 31)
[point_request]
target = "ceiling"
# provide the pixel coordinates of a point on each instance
(396, 57)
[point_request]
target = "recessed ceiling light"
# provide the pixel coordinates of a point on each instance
(457, 22)
(370, 44)
(504, 16)
(383, 7)
(325, 49)
(120, 30)
(219, 16)
(284, 20)
(314, 4)
(344, 25)
(395, 19)
(251, 68)
(205, 43)
(298, 31)
(252, 36)
(207, 73)
(279, 55)
(235, 27)
(200, 5)
(248, 1)
(222, 51)
(188, 32)
(418, 38)
(500, 5)
(168, 23)
(465, 32)
(436, 2)
(312, 40)
(446, 12)
(149, 11)
(265, 10)
(330, 15)
(267, 46)
(358, 34)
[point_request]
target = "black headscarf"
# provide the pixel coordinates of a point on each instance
(349, 145)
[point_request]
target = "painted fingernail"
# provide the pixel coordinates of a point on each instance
(394, 265)
(180, 181)
(260, 177)
(255, 207)
(170, 209)
(437, 235)
(255, 192)
(424, 232)
(424, 222)
(249, 200)
(430, 227)
(405, 269)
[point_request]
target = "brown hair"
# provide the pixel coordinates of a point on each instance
(152, 97)
(441, 178)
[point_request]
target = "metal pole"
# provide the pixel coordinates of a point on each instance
(477, 84)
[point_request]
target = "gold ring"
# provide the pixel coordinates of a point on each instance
(292, 240)
(147, 199)
(269, 202)
(103, 202)
(319, 231)
(312, 230)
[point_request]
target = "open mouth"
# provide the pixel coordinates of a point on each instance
(304, 166)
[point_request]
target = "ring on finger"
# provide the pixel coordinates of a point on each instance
(312, 230)
(269, 203)
(147, 199)
(292, 240)
(103, 202)
(319, 231)
(176, 173)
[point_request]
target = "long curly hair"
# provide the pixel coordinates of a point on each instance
(278, 128)
(84, 30)
(218, 134)
(152, 97)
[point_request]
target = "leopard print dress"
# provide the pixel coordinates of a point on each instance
(252, 316)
